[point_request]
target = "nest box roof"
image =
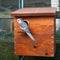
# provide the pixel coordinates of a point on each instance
(35, 12)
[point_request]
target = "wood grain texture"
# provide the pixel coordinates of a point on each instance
(42, 28)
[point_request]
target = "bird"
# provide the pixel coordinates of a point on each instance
(25, 28)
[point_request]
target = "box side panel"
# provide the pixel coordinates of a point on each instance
(42, 28)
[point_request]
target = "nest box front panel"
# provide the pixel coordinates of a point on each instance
(42, 29)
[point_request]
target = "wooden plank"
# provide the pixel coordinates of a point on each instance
(34, 12)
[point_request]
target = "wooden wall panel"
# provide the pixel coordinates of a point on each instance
(42, 28)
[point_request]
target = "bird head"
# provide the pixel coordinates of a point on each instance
(19, 21)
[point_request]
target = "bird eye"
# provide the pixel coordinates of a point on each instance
(18, 20)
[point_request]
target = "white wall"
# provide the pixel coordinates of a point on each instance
(57, 24)
(55, 3)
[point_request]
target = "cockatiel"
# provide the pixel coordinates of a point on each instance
(24, 27)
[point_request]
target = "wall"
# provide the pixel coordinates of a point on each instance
(13, 4)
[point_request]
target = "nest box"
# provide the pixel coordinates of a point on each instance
(34, 31)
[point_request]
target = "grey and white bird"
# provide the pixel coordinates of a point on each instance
(24, 27)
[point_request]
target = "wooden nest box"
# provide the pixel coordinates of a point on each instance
(38, 38)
